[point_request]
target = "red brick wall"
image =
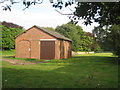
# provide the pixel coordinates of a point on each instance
(67, 49)
(35, 49)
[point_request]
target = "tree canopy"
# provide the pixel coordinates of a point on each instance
(8, 37)
(105, 13)
(81, 41)
(11, 25)
(114, 38)
(49, 28)
(108, 38)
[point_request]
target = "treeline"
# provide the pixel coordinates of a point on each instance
(101, 39)
(9, 32)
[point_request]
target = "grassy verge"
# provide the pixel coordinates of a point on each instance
(99, 70)
(8, 52)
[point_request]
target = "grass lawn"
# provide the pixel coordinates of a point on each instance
(99, 70)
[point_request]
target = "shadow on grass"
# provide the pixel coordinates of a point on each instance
(10, 57)
(61, 77)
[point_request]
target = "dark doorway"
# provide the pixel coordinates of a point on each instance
(47, 50)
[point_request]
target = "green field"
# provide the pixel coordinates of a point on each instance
(99, 70)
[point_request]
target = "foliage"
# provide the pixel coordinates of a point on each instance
(113, 37)
(11, 25)
(86, 43)
(105, 13)
(108, 38)
(81, 42)
(8, 37)
(27, 3)
(49, 28)
(99, 33)
(100, 12)
(82, 71)
(89, 34)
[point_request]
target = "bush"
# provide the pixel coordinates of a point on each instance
(8, 37)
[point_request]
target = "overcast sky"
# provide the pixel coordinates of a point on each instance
(43, 15)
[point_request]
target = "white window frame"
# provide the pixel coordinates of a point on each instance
(47, 39)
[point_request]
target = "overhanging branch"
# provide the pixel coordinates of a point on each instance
(3, 1)
(63, 13)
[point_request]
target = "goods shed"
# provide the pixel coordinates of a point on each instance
(39, 43)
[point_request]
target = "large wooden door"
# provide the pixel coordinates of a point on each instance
(47, 50)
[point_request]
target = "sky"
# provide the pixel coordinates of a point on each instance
(43, 15)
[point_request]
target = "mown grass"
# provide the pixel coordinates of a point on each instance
(10, 54)
(99, 70)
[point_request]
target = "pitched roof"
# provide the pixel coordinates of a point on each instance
(53, 33)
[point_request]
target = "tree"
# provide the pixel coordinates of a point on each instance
(108, 38)
(11, 25)
(113, 37)
(81, 42)
(100, 38)
(85, 43)
(8, 35)
(49, 28)
(105, 13)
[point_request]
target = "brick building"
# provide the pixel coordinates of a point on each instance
(38, 43)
